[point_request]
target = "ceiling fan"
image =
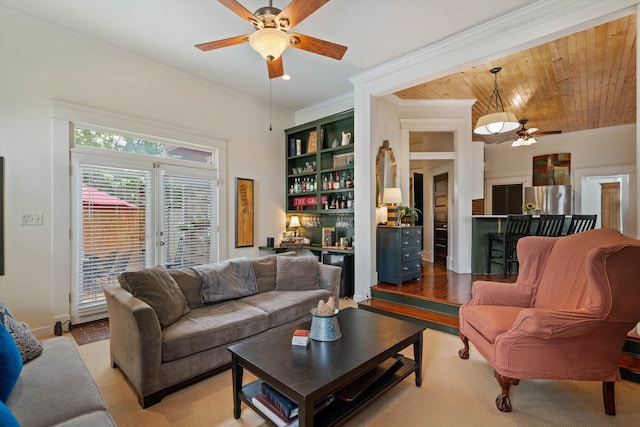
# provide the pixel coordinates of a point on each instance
(271, 37)
(524, 135)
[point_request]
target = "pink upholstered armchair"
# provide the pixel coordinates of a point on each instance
(566, 316)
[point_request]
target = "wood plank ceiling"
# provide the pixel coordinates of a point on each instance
(586, 80)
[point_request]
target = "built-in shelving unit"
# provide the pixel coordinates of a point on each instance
(320, 184)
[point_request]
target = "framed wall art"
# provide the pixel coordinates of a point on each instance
(552, 169)
(244, 212)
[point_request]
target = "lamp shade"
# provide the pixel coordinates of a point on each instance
(295, 222)
(497, 123)
(269, 42)
(392, 195)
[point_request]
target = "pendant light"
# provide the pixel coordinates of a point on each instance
(500, 121)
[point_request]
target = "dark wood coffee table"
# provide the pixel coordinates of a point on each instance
(308, 375)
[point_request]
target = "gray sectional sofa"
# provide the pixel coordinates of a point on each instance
(56, 388)
(170, 328)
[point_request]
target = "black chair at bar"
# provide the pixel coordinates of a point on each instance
(502, 246)
(580, 223)
(550, 225)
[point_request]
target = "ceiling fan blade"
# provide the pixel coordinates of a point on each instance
(275, 67)
(239, 10)
(532, 130)
(548, 132)
(321, 47)
(223, 43)
(296, 11)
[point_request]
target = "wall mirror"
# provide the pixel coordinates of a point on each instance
(385, 170)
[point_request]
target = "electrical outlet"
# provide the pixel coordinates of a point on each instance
(31, 219)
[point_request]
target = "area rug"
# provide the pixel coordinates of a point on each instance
(86, 333)
(454, 392)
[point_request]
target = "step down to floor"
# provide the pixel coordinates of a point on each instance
(433, 320)
(415, 301)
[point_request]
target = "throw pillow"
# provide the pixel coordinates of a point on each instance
(10, 363)
(6, 417)
(225, 280)
(265, 268)
(190, 285)
(156, 287)
(297, 273)
(29, 346)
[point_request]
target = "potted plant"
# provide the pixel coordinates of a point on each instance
(408, 214)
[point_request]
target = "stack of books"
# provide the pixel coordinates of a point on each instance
(276, 406)
(301, 337)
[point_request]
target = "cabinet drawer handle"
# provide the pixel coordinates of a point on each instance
(407, 255)
(405, 268)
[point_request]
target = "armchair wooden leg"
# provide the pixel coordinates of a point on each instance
(609, 398)
(464, 352)
(503, 403)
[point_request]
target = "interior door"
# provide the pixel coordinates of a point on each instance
(440, 218)
(418, 195)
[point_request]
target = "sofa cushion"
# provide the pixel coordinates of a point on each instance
(190, 285)
(54, 387)
(156, 287)
(225, 280)
(265, 269)
(6, 417)
(211, 326)
(297, 273)
(28, 345)
(287, 306)
(10, 363)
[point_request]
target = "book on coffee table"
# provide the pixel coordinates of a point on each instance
(301, 337)
(263, 404)
(285, 406)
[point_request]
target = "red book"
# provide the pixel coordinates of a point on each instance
(300, 337)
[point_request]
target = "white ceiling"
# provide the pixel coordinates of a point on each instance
(375, 31)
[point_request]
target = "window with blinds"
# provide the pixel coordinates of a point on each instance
(113, 227)
(188, 220)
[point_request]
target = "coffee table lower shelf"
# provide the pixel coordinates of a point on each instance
(340, 411)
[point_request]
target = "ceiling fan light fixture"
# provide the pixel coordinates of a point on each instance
(269, 43)
(500, 121)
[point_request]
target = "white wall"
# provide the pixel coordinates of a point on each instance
(594, 152)
(40, 63)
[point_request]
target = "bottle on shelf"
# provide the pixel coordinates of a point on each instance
(343, 180)
(350, 200)
(336, 183)
(331, 182)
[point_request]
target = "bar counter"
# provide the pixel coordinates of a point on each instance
(481, 226)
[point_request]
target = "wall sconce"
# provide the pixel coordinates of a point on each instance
(392, 196)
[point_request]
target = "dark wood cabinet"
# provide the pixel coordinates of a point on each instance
(398, 254)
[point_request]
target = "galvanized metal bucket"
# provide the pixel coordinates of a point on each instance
(324, 328)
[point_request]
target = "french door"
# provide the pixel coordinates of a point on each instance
(131, 214)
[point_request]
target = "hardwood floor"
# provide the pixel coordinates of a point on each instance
(439, 284)
(434, 299)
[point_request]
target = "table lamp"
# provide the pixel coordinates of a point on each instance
(392, 196)
(294, 223)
